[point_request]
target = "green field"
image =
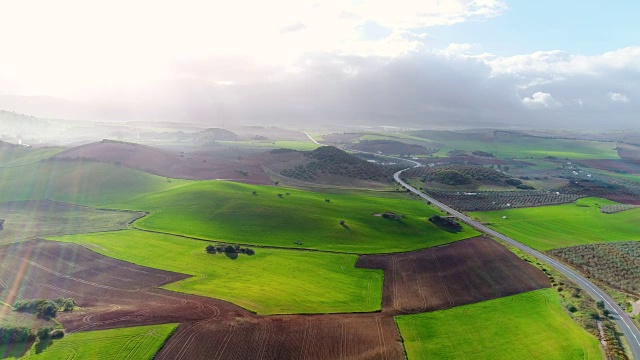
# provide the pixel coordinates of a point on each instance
(278, 144)
(550, 227)
(26, 220)
(269, 282)
(125, 343)
(531, 325)
(515, 146)
(79, 182)
(228, 211)
(18, 156)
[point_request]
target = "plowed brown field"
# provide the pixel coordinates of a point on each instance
(115, 294)
(111, 293)
(362, 336)
(464, 272)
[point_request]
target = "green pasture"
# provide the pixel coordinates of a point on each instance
(26, 220)
(79, 182)
(526, 146)
(277, 144)
(141, 342)
(557, 226)
(229, 211)
(273, 281)
(531, 325)
(19, 156)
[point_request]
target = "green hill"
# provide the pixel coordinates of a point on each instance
(229, 211)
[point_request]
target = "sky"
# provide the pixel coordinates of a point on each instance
(544, 63)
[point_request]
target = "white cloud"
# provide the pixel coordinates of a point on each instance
(618, 97)
(541, 100)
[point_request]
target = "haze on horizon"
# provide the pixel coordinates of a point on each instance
(404, 63)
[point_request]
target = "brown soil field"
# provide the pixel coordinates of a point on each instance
(362, 336)
(464, 272)
(26, 220)
(611, 165)
(111, 293)
(162, 163)
(629, 152)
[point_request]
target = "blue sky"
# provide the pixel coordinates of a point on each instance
(579, 27)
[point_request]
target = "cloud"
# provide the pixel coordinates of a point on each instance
(618, 97)
(293, 28)
(541, 100)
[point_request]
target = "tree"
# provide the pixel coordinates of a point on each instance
(255, 192)
(47, 309)
(280, 195)
(44, 333)
(229, 249)
(341, 222)
(327, 200)
(211, 249)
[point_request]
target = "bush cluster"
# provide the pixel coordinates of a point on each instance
(45, 308)
(228, 249)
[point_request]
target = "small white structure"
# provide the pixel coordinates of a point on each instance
(504, 217)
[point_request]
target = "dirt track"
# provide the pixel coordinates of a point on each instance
(464, 272)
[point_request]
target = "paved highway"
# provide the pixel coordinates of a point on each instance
(628, 328)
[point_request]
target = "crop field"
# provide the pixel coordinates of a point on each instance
(110, 293)
(79, 182)
(464, 272)
(531, 325)
(278, 144)
(217, 210)
(273, 281)
(617, 264)
(496, 200)
(135, 343)
(550, 227)
(26, 220)
(366, 336)
(517, 146)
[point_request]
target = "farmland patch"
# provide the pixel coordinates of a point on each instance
(550, 227)
(25, 220)
(531, 325)
(461, 273)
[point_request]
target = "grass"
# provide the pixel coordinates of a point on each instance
(550, 227)
(278, 144)
(525, 146)
(273, 281)
(79, 182)
(531, 325)
(18, 156)
(228, 211)
(33, 219)
(10, 318)
(125, 343)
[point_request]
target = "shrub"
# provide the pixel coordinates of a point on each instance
(249, 251)
(211, 249)
(44, 333)
(12, 335)
(229, 249)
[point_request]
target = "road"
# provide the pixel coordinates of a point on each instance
(626, 325)
(312, 139)
(628, 328)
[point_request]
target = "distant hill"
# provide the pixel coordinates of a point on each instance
(162, 163)
(328, 164)
(214, 134)
(393, 147)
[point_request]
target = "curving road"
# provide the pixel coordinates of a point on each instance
(628, 328)
(626, 325)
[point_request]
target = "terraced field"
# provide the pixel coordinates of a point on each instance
(531, 325)
(136, 343)
(550, 227)
(273, 281)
